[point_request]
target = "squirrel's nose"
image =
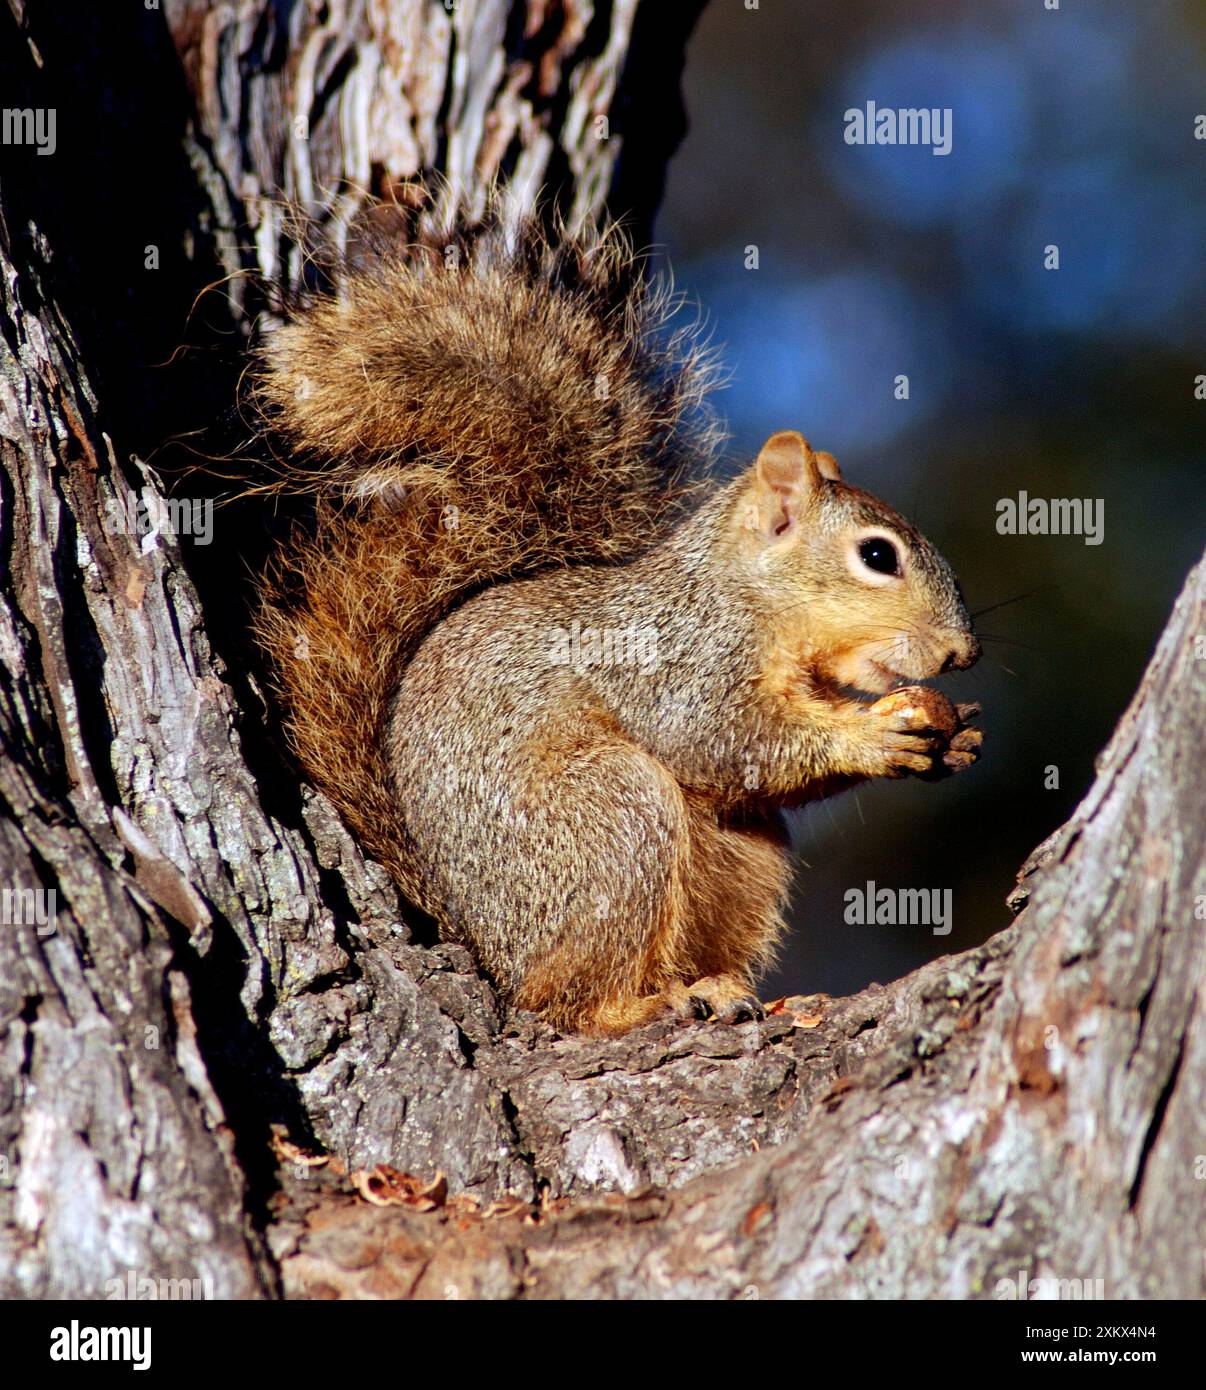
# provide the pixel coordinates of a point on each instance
(966, 653)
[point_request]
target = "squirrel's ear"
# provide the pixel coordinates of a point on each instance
(784, 473)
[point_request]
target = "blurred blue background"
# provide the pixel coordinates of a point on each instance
(1072, 128)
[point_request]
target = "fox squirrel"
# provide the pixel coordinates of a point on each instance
(557, 687)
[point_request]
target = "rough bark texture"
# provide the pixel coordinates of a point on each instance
(223, 960)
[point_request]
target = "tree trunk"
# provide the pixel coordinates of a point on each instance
(222, 992)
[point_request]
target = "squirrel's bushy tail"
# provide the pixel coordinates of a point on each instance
(462, 413)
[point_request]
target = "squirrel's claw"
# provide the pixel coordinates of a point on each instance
(962, 751)
(747, 1009)
(967, 740)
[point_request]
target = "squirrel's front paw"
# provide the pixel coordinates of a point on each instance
(920, 731)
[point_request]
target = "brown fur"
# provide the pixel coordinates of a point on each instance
(457, 427)
(605, 835)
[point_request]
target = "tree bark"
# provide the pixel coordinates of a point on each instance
(226, 1024)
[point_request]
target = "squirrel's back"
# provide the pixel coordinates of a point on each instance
(481, 406)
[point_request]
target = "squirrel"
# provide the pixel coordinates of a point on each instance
(559, 686)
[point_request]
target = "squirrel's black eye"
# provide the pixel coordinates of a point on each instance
(879, 555)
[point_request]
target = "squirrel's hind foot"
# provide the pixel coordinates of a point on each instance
(725, 998)
(722, 998)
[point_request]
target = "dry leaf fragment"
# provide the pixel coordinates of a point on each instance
(384, 1186)
(759, 1216)
(289, 1152)
(504, 1206)
(777, 1008)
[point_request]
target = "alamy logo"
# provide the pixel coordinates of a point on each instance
(581, 648)
(139, 1288)
(76, 1343)
(29, 127)
(907, 125)
(29, 907)
(891, 907)
(152, 516)
(1047, 1288)
(1052, 516)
